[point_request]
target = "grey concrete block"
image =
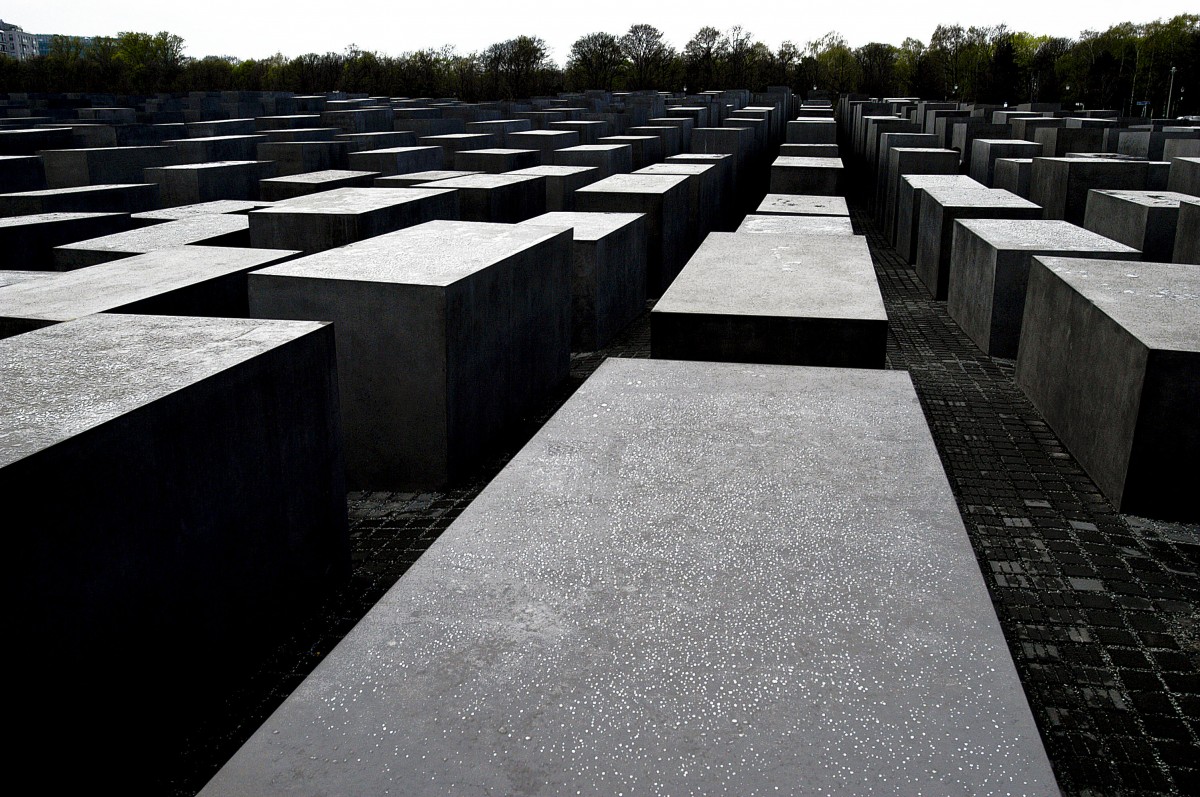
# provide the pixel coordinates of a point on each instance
(1187, 233)
(216, 148)
(207, 510)
(497, 198)
(397, 160)
(906, 160)
(809, 150)
(361, 120)
(193, 183)
(796, 226)
(28, 242)
(493, 635)
(735, 141)
(807, 176)
(800, 205)
(1110, 356)
(457, 142)
(940, 207)
(199, 209)
(774, 298)
(908, 206)
(544, 142)
(496, 161)
(708, 202)
(985, 151)
(646, 149)
(384, 139)
(446, 333)
(131, 198)
(1145, 220)
(291, 186)
(303, 157)
(608, 273)
(989, 272)
(33, 141)
(1184, 176)
(1015, 175)
(21, 173)
(66, 168)
(416, 179)
(330, 219)
(561, 182)
(610, 159)
(223, 230)
(1061, 185)
(1059, 141)
(589, 131)
(665, 200)
(185, 281)
(811, 131)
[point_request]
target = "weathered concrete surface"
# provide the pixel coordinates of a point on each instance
(214, 230)
(28, 242)
(909, 199)
(192, 183)
(807, 176)
(1060, 185)
(601, 618)
(772, 298)
(446, 333)
(122, 198)
(1145, 220)
(803, 205)
(1110, 355)
(1187, 233)
(561, 182)
(497, 198)
(796, 226)
(329, 219)
(291, 186)
(989, 272)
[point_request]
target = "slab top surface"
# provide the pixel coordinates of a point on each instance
(594, 148)
(814, 276)
(436, 253)
(96, 289)
(193, 167)
(217, 206)
(49, 218)
(796, 225)
(1042, 235)
(79, 189)
(429, 176)
(64, 379)
(482, 181)
(351, 200)
(925, 181)
(636, 184)
(325, 176)
(1159, 303)
(675, 168)
(804, 204)
(586, 226)
(1150, 199)
(179, 232)
(955, 197)
(553, 171)
(696, 579)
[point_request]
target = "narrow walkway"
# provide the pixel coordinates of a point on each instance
(1099, 609)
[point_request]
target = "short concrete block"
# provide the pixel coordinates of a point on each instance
(608, 276)
(21, 173)
(132, 198)
(1061, 185)
(1145, 220)
(66, 168)
(796, 226)
(646, 149)
(542, 141)
(330, 219)
(207, 182)
(496, 161)
(774, 298)
(1014, 174)
(809, 176)
(398, 160)
(809, 151)
(446, 333)
(665, 200)
(811, 131)
(291, 186)
(610, 159)
(199, 209)
(304, 157)
(561, 183)
(827, 465)
(224, 230)
(940, 207)
(497, 198)
(1110, 356)
(217, 148)
(419, 178)
(989, 272)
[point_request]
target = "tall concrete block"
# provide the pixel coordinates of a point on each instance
(446, 333)
(909, 199)
(985, 151)
(1110, 353)
(1061, 185)
(904, 161)
(1145, 220)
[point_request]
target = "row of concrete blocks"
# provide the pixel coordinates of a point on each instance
(1025, 283)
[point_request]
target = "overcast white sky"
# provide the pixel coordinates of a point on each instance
(250, 29)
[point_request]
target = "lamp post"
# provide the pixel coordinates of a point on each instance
(1170, 91)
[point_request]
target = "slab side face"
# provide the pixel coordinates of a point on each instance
(786, 600)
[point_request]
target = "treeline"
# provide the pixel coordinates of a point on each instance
(1118, 68)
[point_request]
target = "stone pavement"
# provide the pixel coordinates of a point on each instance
(1099, 609)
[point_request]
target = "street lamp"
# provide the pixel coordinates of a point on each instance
(1170, 91)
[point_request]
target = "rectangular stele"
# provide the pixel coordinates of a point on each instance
(329, 219)
(206, 506)
(819, 176)
(446, 333)
(697, 578)
(774, 298)
(1110, 355)
(989, 272)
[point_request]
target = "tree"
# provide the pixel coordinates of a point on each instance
(648, 56)
(786, 58)
(595, 61)
(877, 67)
(702, 56)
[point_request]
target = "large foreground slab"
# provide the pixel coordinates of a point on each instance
(696, 579)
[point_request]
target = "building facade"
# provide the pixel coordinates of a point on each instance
(16, 43)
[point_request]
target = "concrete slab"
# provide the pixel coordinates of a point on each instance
(664, 199)
(608, 273)
(276, 189)
(707, 199)
(223, 230)
(185, 281)
(646, 149)
(774, 298)
(561, 183)
(1015, 175)
(610, 159)
(129, 198)
(802, 205)
(397, 160)
(606, 599)
(796, 226)
(192, 183)
(419, 178)
(1184, 176)
(940, 207)
(903, 161)
(446, 333)
(330, 219)
(1145, 220)
(21, 173)
(66, 168)
(989, 272)
(497, 198)
(200, 209)
(809, 176)
(496, 161)
(1061, 185)
(985, 151)
(28, 242)
(1110, 356)
(302, 157)
(1187, 233)
(207, 512)
(216, 148)
(811, 131)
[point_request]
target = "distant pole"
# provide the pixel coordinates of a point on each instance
(1170, 91)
